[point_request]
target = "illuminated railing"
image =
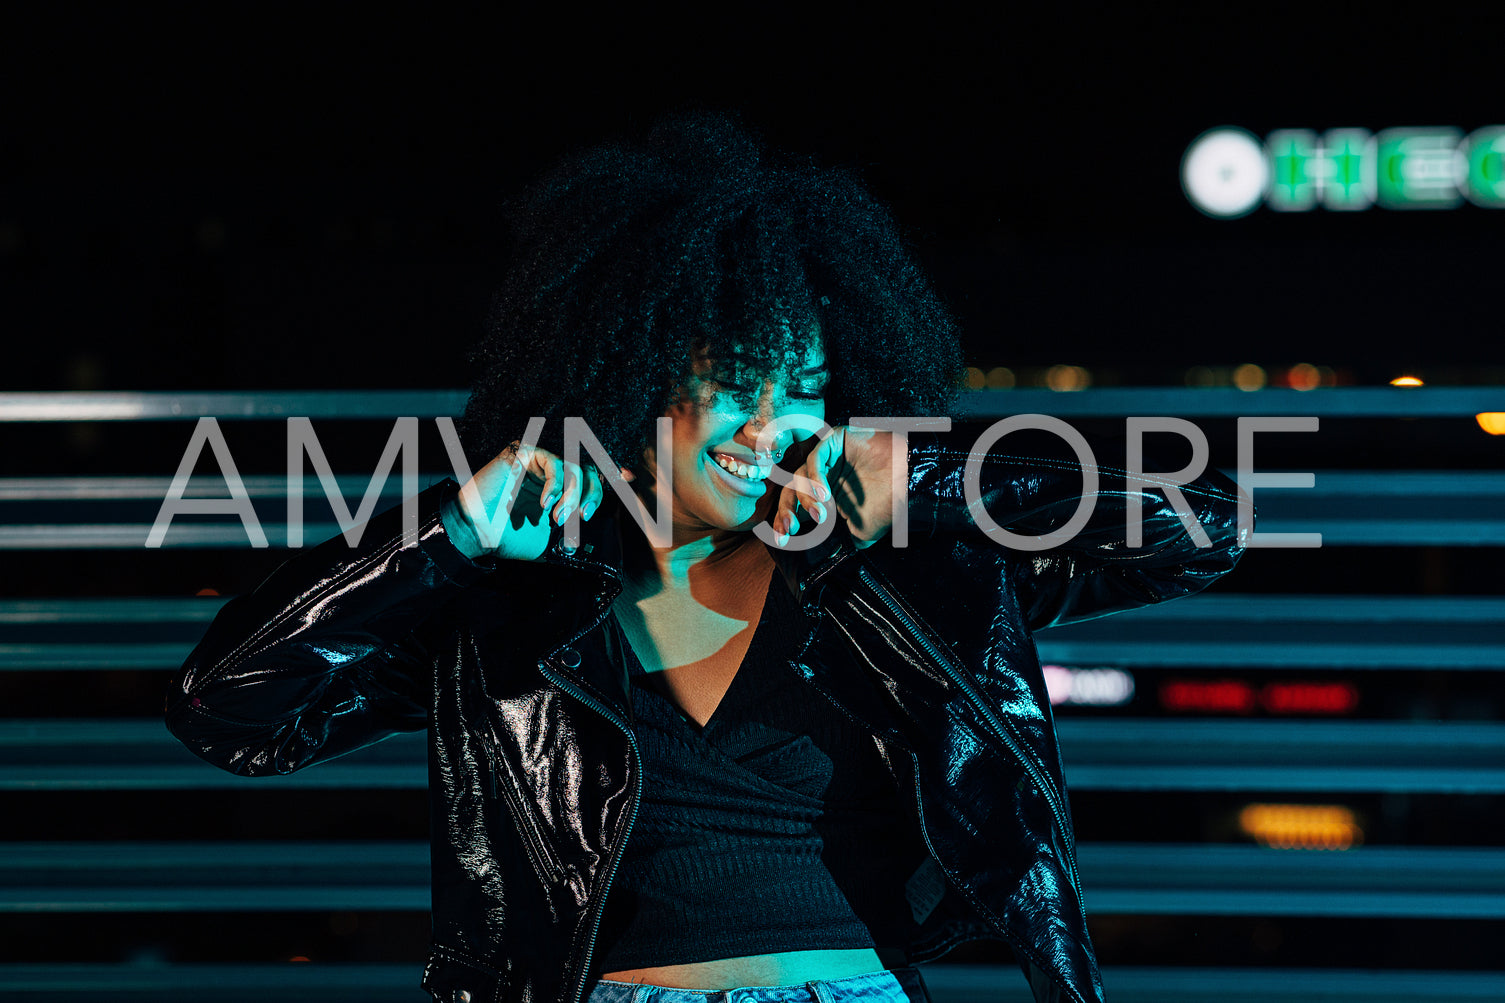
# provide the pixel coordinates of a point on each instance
(1120, 754)
(1223, 632)
(1374, 632)
(1349, 508)
(1109, 402)
(394, 983)
(1122, 878)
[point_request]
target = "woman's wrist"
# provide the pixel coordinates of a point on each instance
(459, 530)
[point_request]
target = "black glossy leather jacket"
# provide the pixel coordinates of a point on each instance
(518, 673)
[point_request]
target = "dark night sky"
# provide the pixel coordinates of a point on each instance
(264, 196)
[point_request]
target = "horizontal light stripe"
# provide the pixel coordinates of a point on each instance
(1100, 753)
(127, 405)
(1349, 508)
(1338, 402)
(390, 982)
(1120, 878)
(1202, 632)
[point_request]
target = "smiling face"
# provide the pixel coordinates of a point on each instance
(719, 478)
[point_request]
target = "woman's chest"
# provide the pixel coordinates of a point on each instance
(690, 654)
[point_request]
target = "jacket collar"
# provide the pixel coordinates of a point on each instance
(595, 661)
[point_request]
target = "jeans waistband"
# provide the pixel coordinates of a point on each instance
(894, 985)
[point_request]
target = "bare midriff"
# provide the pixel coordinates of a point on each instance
(780, 969)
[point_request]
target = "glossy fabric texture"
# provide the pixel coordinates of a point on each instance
(535, 777)
(900, 985)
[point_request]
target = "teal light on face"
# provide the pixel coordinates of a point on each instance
(1350, 159)
(1295, 169)
(1418, 168)
(1484, 153)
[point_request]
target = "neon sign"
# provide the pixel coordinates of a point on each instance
(1227, 172)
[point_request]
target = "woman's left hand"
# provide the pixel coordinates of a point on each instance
(852, 469)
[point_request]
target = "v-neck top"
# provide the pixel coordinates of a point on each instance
(777, 827)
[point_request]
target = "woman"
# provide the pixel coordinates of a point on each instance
(723, 733)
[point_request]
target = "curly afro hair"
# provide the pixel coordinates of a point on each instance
(632, 257)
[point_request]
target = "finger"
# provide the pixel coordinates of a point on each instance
(516, 485)
(548, 468)
(526, 467)
(794, 502)
(594, 493)
(791, 500)
(814, 487)
(784, 513)
(808, 488)
(569, 492)
(783, 522)
(791, 497)
(833, 449)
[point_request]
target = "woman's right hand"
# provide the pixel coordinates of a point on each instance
(509, 508)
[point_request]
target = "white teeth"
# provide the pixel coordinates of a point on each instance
(749, 471)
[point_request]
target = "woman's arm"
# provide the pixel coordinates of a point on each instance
(1031, 483)
(322, 658)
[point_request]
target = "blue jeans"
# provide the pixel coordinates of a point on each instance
(898, 985)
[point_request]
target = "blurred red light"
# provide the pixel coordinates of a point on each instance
(1228, 696)
(1303, 376)
(1309, 698)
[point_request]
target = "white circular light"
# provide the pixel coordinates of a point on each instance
(1224, 172)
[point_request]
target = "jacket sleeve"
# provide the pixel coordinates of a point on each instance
(1031, 482)
(322, 657)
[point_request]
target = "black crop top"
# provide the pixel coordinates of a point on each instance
(776, 828)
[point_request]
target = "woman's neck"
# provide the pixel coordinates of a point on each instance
(709, 564)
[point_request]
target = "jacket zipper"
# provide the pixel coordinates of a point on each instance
(945, 663)
(543, 855)
(637, 775)
(914, 761)
(545, 861)
(1041, 781)
(616, 856)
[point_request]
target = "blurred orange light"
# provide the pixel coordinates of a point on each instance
(999, 378)
(1407, 381)
(1492, 422)
(1249, 377)
(207, 592)
(297, 957)
(974, 378)
(1067, 378)
(1301, 826)
(1304, 376)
